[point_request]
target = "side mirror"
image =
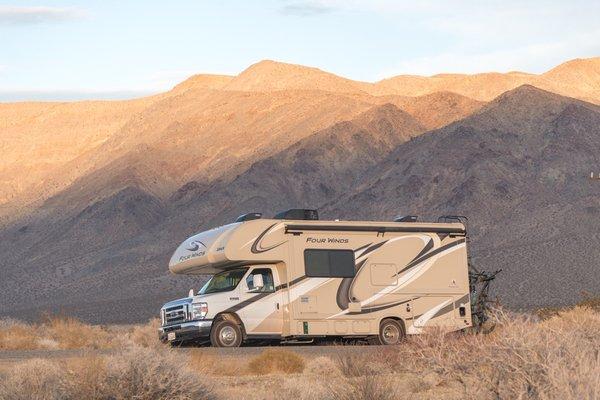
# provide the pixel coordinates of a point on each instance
(257, 281)
(191, 293)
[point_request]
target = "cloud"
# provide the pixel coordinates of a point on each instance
(13, 15)
(535, 58)
(71, 95)
(306, 9)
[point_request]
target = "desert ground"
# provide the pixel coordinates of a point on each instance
(549, 354)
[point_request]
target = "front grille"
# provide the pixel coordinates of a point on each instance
(174, 315)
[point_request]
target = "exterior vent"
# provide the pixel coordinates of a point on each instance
(248, 217)
(298, 214)
(406, 218)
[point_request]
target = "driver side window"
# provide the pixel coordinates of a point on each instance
(267, 276)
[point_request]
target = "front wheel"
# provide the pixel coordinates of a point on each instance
(226, 334)
(391, 332)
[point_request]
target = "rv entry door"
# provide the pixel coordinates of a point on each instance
(263, 313)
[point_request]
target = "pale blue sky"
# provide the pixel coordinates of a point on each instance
(111, 49)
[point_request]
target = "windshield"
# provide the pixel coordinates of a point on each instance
(223, 281)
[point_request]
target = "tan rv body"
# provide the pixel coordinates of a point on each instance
(416, 273)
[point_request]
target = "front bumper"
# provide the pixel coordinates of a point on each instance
(185, 331)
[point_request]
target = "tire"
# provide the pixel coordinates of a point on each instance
(226, 334)
(391, 332)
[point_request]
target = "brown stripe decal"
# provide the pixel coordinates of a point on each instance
(426, 256)
(257, 248)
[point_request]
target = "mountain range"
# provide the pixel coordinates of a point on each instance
(95, 195)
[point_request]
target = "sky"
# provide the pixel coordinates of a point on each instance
(63, 50)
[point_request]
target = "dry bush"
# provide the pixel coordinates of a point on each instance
(35, 380)
(146, 335)
(276, 360)
(88, 378)
(60, 332)
(523, 358)
(15, 335)
(139, 373)
(354, 364)
(590, 301)
(147, 374)
(323, 367)
(367, 387)
(207, 364)
(70, 333)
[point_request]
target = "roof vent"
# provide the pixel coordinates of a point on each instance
(248, 217)
(298, 214)
(406, 218)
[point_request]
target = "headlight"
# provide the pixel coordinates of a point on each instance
(199, 310)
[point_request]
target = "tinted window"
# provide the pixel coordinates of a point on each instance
(223, 281)
(267, 275)
(329, 263)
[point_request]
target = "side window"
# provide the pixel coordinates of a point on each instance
(320, 263)
(268, 283)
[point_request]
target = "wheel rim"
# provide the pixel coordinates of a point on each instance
(390, 334)
(228, 335)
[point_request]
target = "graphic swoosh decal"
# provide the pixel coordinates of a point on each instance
(419, 260)
(195, 245)
(257, 248)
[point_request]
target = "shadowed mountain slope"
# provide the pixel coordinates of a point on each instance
(520, 169)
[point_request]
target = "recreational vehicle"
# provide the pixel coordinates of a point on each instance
(297, 278)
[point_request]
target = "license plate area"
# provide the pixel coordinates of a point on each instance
(171, 336)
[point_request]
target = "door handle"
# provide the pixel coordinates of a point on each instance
(277, 304)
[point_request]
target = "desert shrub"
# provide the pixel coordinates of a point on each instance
(590, 301)
(146, 335)
(368, 387)
(523, 358)
(15, 335)
(148, 374)
(276, 360)
(354, 364)
(35, 380)
(139, 373)
(322, 367)
(60, 332)
(87, 377)
(208, 364)
(71, 333)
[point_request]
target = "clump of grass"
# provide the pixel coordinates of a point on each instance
(207, 364)
(367, 387)
(588, 300)
(61, 332)
(35, 380)
(71, 333)
(139, 373)
(15, 335)
(276, 360)
(354, 364)
(147, 374)
(522, 358)
(323, 367)
(146, 335)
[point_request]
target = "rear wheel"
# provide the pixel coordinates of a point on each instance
(391, 332)
(226, 333)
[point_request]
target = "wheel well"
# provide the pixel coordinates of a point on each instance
(233, 317)
(400, 320)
